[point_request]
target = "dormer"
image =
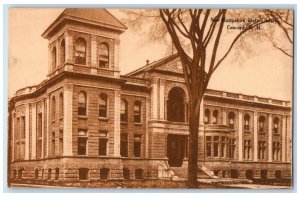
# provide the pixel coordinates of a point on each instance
(84, 40)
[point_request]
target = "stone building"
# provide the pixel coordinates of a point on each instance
(88, 122)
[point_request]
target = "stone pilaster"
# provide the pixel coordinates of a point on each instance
(201, 116)
(224, 117)
(148, 112)
(240, 136)
(289, 141)
(68, 123)
(43, 128)
(154, 99)
(26, 132)
(255, 137)
(69, 47)
(33, 131)
(94, 51)
(162, 99)
(12, 142)
(117, 129)
(270, 157)
(47, 125)
(284, 149)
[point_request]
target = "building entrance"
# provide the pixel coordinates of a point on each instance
(176, 149)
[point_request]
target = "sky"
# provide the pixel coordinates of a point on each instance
(266, 74)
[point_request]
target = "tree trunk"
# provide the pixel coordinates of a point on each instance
(193, 144)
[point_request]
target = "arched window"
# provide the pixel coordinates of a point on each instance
(82, 104)
(103, 105)
(137, 111)
(62, 52)
(275, 125)
(261, 123)
(53, 108)
(61, 105)
(215, 117)
(124, 110)
(176, 105)
(206, 116)
(103, 56)
(231, 119)
(53, 55)
(246, 122)
(80, 51)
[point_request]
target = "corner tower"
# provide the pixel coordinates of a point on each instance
(84, 41)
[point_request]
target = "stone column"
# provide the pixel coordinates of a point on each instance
(240, 134)
(270, 157)
(284, 149)
(289, 141)
(148, 112)
(49, 60)
(68, 120)
(162, 99)
(43, 129)
(26, 132)
(201, 121)
(94, 51)
(255, 136)
(116, 59)
(12, 142)
(69, 47)
(117, 129)
(47, 125)
(224, 117)
(154, 99)
(57, 45)
(33, 131)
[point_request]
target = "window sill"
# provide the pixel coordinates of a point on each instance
(124, 123)
(276, 134)
(138, 123)
(82, 117)
(103, 118)
(247, 132)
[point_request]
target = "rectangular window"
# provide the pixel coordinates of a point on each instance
(82, 142)
(216, 146)
(23, 127)
(124, 145)
(247, 149)
(53, 143)
(223, 146)
(137, 145)
(103, 143)
(208, 146)
(231, 151)
(39, 136)
(261, 149)
(276, 151)
(61, 142)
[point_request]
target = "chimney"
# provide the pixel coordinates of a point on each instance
(147, 62)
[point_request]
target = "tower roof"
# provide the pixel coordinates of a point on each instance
(94, 16)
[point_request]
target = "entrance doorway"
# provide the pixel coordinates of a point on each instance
(176, 149)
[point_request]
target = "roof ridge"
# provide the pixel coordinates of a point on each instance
(152, 64)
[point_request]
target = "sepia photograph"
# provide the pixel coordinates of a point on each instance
(156, 98)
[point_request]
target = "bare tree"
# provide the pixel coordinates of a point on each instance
(198, 36)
